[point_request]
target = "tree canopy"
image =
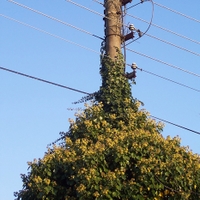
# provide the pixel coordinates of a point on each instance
(114, 150)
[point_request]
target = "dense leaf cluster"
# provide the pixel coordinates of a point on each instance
(114, 151)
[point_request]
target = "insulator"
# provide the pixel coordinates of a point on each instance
(131, 27)
(134, 66)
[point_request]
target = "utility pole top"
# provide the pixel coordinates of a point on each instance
(124, 2)
(113, 26)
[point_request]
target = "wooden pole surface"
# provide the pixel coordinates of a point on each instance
(113, 26)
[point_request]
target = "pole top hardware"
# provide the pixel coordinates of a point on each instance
(132, 75)
(129, 36)
(124, 2)
(131, 27)
(134, 66)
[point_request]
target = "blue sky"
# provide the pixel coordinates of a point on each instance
(33, 113)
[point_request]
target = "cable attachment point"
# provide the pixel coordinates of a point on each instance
(131, 27)
(140, 33)
(134, 66)
(124, 2)
(129, 35)
(132, 75)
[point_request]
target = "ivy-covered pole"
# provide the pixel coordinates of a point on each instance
(113, 25)
(115, 91)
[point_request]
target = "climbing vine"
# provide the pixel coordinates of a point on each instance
(113, 150)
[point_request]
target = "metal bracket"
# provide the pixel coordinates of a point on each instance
(124, 2)
(131, 75)
(129, 36)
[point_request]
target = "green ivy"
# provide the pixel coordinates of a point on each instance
(114, 151)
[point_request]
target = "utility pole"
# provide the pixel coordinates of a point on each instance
(113, 26)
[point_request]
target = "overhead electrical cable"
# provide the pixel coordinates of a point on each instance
(174, 190)
(55, 19)
(82, 30)
(84, 7)
(167, 30)
(150, 23)
(98, 2)
(88, 9)
(167, 79)
(177, 125)
(43, 80)
(89, 49)
(80, 91)
(179, 13)
(69, 88)
(152, 15)
(169, 43)
(164, 41)
(126, 8)
(165, 63)
(143, 33)
(135, 5)
(53, 35)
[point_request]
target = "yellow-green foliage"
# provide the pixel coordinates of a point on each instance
(100, 161)
(114, 151)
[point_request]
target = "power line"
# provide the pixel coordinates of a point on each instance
(150, 23)
(86, 48)
(174, 190)
(59, 85)
(88, 9)
(84, 7)
(179, 13)
(152, 14)
(53, 35)
(169, 43)
(145, 33)
(167, 79)
(167, 30)
(126, 8)
(55, 19)
(142, 1)
(92, 34)
(43, 80)
(177, 125)
(135, 5)
(98, 2)
(165, 63)
(79, 91)
(164, 41)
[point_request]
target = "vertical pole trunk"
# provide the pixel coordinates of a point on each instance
(113, 25)
(115, 89)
